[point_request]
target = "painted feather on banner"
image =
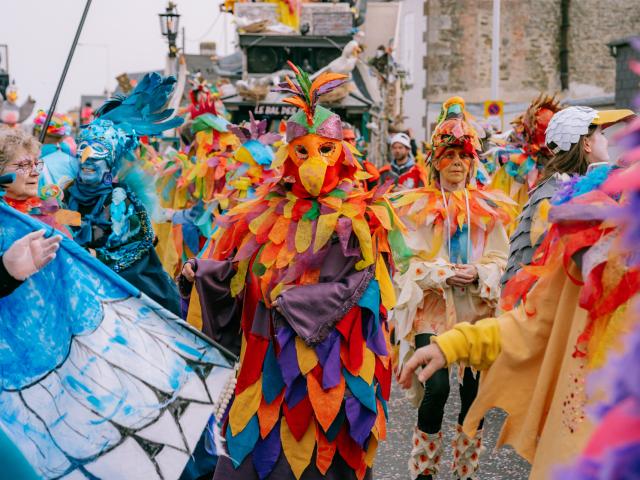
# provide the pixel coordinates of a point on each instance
(97, 380)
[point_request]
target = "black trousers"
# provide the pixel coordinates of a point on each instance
(436, 393)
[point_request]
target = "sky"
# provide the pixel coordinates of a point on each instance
(118, 36)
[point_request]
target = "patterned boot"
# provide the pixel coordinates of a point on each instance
(426, 452)
(466, 454)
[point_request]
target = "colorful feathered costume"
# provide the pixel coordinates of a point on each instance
(613, 450)
(252, 168)
(447, 229)
(254, 158)
(302, 270)
(191, 182)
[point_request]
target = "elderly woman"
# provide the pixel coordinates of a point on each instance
(459, 250)
(19, 172)
(19, 155)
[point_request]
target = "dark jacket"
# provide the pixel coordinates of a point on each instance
(7, 283)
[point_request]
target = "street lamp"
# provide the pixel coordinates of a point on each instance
(169, 22)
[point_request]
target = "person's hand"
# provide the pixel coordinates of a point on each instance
(188, 273)
(29, 254)
(92, 252)
(431, 357)
(276, 305)
(465, 275)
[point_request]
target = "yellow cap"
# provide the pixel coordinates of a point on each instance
(609, 117)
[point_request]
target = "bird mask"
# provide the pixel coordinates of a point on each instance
(317, 158)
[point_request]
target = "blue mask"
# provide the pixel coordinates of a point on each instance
(94, 171)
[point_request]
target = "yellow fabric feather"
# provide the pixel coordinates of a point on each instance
(324, 230)
(387, 292)
(361, 229)
(298, 454)
(368, 366)
(244, 406)
(303, 235)
(307, 358)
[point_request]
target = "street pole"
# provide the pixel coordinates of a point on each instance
(54, 102)
(495, 52)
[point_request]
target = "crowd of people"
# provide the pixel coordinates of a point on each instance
(507, 262)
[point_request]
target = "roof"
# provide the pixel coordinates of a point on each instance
(313, 41)
(230, 65)
(203, 64)
(623, 41)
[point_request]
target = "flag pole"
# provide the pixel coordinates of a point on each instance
(54, 102)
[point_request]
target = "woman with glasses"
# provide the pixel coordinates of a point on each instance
(19, 155)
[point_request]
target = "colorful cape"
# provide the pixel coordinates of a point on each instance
(426, 206)
(581, 231)
(96, 379)
(315, 374)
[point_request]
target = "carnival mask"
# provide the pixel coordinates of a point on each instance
(94, 171)
(315, 157)
(314, 133)
(95, 163)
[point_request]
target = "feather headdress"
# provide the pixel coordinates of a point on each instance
(60, 125)
(121, 120)
(143, 112)
(312, 118)
(256, 142)
(454, 129)
(527, 124)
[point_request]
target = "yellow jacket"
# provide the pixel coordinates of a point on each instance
(476, 345)
(531, 372)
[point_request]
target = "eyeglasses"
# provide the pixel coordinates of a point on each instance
(27, 166)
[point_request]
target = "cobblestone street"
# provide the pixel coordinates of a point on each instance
(391, 461)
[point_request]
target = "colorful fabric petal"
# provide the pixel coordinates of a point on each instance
(272, 382)
(241, 444)
(298, 452)
(325, 452)
(244, 406)
(361, 390)
(361, 420)
(269, 414)
(266, 452)
(307, 358)
(326, 403)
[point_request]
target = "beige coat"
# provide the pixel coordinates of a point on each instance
(427, 304)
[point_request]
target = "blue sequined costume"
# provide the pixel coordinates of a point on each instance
(115, 223)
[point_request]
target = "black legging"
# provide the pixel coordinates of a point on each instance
(436, 393)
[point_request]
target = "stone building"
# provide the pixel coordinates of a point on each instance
(627, 81)
(534, 39)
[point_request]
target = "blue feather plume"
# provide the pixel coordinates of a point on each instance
(143, 112)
